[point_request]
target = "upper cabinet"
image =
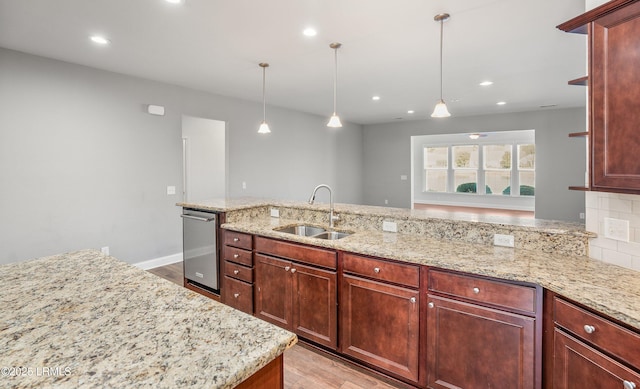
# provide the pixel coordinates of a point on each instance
(614, 93)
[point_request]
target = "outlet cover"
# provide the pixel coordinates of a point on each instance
(105, 250)
(616, 229)
(503, 240)
(275, 212)
(171, 190)
(389, 226)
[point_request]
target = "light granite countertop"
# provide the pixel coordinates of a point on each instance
(610, 289)
(83, 319)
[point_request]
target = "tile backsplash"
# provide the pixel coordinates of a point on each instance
(625, 207)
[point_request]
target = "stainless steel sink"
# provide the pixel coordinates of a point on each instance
(313, 232)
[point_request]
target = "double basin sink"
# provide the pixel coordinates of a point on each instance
(313, 232)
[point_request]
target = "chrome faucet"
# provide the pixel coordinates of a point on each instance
(332, 216)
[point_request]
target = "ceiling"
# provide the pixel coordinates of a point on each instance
(390, 49)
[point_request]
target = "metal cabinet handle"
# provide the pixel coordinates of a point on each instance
(628, 385)
(376, 270)
(236, 239)
(293, 270)
(236, 271)
(286, 268)
(236, 295)
(476, 290)
(236, 255)
(589, 329)
(431, 305)
(413, 300)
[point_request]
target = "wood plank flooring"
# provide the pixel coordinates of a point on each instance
(304, 368)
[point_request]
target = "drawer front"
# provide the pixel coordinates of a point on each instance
(237, 255)
(239, 272)
(297, 252)
(398, 273)
(601, 332)
(238, 239)
(501, 294)
(238, 295)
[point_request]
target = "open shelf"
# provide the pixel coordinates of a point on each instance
(582, 81)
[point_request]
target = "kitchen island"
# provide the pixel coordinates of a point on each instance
(83, 319)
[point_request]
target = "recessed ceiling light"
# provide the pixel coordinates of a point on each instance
(375, 98)
(501, 103)
(310, 31)
(486, 83)
(410, 111)
(175, 1)
(100, 40)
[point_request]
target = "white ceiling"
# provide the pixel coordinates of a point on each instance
(390, 48)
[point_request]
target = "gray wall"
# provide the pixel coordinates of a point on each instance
(560, 160)
(82, 165)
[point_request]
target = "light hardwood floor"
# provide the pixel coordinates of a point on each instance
(304, 368)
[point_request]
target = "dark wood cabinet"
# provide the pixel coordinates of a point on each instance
(482, 333)
(380, 321)
(295, 295)
(237, 268)
(614, 71)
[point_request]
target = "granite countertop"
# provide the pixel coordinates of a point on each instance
(610, 289)
(83, 319)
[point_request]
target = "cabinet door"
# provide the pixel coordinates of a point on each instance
(315, 304)
(613, 80)
(379, 325)
(273, 290)
(577, 366)
(469, 346)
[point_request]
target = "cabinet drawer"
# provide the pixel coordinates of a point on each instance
(297, 252)
(238, 239)
(608, 336)
(237, 255)
(239, 272)
(382, 270)
(238, 294)
(501, 294)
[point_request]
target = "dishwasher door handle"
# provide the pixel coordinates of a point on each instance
(202, 219)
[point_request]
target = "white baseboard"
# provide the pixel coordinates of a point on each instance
(162, 261)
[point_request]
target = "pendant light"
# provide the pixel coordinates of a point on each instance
(334, 121)
(441, 111)
(264, 127)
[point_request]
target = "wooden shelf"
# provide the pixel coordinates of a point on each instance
(582, 81)
(578, 134)
(581, 188)
(579, 24)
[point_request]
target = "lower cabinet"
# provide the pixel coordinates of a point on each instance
(296, 296)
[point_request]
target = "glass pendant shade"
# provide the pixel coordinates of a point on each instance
(264, 128)
(440, 111)
(334, 121)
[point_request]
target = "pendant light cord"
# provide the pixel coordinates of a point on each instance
(264, 101)
(335, 78)
(441, 34)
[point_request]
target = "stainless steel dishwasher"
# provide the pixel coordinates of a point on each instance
(200, 249)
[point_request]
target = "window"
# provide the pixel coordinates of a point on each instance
(481, 167)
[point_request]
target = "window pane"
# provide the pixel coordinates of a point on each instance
(527, 183)
(497, 157)
(465, 157)
(436, 181)
(465, 181)
(526, 156)
(435, 157)
(498, 182)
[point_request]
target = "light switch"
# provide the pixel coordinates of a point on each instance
(171, 190)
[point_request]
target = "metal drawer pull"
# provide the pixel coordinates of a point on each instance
(589, 329)
(286, 268)
(629, 385)
(236, 271)
(236, 255)
(476, 290)
(376, 270)
(236, 239)
(236, 295)
(431, 305)
(293, 270)
(413, 300)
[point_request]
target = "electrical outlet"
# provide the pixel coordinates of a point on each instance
(386, 201)
(389, 226)
(105, 250)
(616, 229)
(171, 190)
(503, 240)
(403, 177)
(244, 185)
(275, 212)
(581, 215)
